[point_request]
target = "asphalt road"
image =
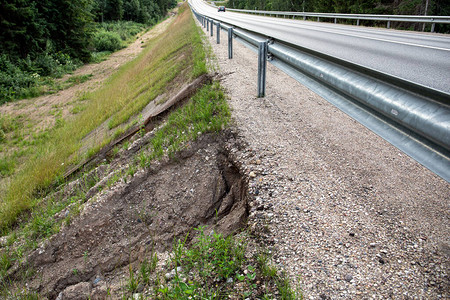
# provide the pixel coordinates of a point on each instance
(422, 58)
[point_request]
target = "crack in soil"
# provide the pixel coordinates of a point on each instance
(202, 186)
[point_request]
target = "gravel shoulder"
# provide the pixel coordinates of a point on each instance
(344, 212)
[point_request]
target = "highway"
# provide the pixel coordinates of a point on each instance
(422, 58)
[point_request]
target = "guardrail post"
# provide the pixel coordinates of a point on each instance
(432, 27)
(212, 27)
(262, 55)
(230, 43)
(357, 22)
(218, 33)
(335, 20)
(318, 19)
(389, 24)
(207, 24)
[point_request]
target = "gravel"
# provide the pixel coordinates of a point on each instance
(345, 213)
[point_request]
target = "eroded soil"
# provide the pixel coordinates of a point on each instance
(137, 216)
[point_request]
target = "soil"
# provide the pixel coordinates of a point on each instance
(123, 224)
(342, 211)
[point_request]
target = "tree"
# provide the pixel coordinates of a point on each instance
(70, 26)
(22, 30)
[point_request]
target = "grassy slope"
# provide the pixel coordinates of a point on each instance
(176, 54)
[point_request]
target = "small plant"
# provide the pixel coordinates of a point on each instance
(285, 289)
(266, 269)
(133, 282)
(85, 256)
(146, 269)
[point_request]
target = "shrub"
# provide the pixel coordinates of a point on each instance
(107, 41)
(14, 81)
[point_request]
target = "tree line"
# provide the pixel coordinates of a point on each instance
(384, 7)
(31, 27)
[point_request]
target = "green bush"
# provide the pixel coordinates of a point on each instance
(107, 41)
(14, 82)
(21, 78)
(53, 65)
(125, 29)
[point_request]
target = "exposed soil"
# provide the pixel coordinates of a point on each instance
(340, 208)
(125, 223)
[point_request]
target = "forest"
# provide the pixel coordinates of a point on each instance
(42, 38)
(383, 7)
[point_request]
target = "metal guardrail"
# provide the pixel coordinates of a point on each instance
(422, 112)
(371, 17)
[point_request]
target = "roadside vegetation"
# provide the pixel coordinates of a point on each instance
(41, 41)
(177, 53)
(213, 267)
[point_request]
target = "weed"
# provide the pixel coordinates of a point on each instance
(285, 289)
(85, 256)
(77, 79)
(127, 92)
(132, 168)
(145, 270)
(7, 166)
(133, 281)
(115, 150)
(266, 269)
(114, 178)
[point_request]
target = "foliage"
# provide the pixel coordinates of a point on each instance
(141, 11)
(216, 267)
(49, 38)
(125, 29)
(402, 7)
(29, 27)
(107, 41)
(206, 112)
(147, 76)
(24, 77)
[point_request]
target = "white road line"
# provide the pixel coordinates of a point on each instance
(360, 36)
(364, 37)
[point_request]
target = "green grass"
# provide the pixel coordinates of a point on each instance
(207, 111)
(176, 54)
(26, 78)
(213, 267)
(41, 224)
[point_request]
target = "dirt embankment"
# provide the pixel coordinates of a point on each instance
(122, 224)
